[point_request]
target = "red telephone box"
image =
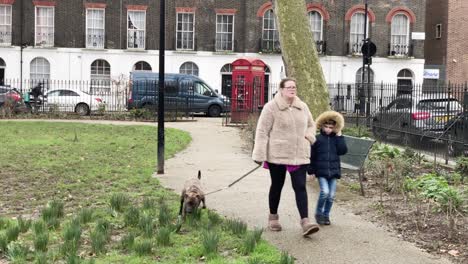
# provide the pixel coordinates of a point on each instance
(248, 88)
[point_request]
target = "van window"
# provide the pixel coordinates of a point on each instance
(201, 88)
(171, 87)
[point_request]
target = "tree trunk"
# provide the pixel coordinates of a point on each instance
(300, 54)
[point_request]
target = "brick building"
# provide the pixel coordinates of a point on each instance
(446, 37)
(104, 39)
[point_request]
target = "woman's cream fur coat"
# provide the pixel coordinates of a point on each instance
(284, 132)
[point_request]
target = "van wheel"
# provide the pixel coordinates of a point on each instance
(214, 111)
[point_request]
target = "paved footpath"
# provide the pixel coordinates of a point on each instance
(217, 152)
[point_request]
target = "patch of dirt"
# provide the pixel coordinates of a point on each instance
(428, 230)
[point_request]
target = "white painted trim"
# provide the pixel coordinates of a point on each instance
(104, 27)
(144, 41)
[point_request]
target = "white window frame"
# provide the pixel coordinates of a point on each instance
(185, 31)
(100, 82)
(142, 62)
(224, 35)
(49, 42)
(193, 66)
(271, 16)
(353, 33)
(89, 41)
(5, 28)
(40, 63)
(129, 31)
(312, 23)
(397, 39)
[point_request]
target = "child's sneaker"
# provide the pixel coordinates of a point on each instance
(326, 220)
(320, 219)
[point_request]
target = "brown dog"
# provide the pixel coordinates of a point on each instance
(191, 197)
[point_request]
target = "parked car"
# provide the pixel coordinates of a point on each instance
(182, 93)
(69, 100)
(11, 98)
(457, 134)
(416, 116)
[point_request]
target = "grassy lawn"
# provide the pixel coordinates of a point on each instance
(82, 193)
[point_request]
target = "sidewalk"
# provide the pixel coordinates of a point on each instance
(217, 152)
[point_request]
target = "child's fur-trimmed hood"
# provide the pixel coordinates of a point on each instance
(331, 115)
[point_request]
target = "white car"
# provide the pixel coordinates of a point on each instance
(68, 100)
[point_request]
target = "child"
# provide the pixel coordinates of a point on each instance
(325, 161)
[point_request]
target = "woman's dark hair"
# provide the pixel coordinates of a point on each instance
(283, 81)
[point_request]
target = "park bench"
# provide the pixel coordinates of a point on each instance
(358, 150)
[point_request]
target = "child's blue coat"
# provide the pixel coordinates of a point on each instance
(325, 156)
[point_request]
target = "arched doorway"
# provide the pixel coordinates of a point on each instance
(2, 71)
(363, 90)
(226, 80)
(404, 82)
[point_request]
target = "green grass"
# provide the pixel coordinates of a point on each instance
(100, 199)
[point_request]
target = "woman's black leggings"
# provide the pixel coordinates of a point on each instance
(298, 179)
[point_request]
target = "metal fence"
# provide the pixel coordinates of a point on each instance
(103, 96)
(429, 118)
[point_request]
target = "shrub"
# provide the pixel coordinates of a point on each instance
(462, 166)
(24, 225)
(40, 258)
(143, 247)
(72, 231)
(85, 215)
(4, 222)
(127, 241)
(164, 216)
(146, 225)
(447, 199)
(286, 258)
(119, 201)
(12, 232)
(383, 151)
(41, 241)
(103, 226)
(237, 227)
(3, 243)
(148, 203)
(254, 260)
(73, 259)
(17, 252)
(131, 216)
(210, 242)
(39, 227)
(98, 241)
(213, 218)
(163, 236)
(249, 243)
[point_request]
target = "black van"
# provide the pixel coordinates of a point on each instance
(183, 93)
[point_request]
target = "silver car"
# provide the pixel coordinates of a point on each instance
(416, 116)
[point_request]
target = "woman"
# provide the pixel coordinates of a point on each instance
(285, 131)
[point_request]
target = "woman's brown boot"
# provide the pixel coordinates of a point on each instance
(307, 227)
(273, 222)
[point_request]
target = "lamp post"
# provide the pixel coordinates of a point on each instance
(161, 86)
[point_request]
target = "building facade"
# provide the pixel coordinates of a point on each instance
(446, 37)
(105, 40)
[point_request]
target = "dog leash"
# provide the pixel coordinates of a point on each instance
(236, 181)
